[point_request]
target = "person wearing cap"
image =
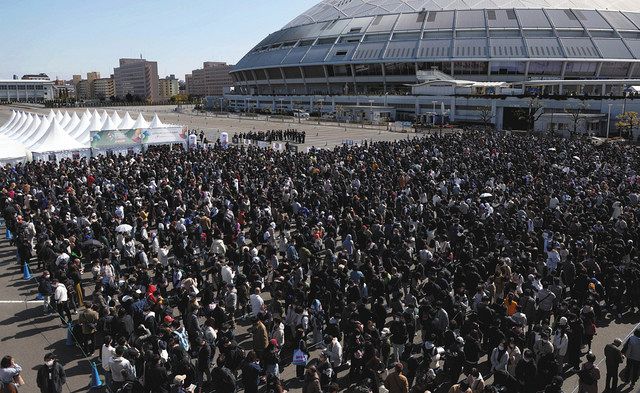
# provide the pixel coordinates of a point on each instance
(51, 376)
(178, 384)
(396, 382)
(613, 358)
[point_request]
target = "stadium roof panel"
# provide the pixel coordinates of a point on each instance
(328, 10)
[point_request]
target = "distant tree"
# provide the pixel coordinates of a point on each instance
(626, 123)
(577, 114)
(486, 116)
(532, 113)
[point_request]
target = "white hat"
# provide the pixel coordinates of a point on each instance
(563, 321)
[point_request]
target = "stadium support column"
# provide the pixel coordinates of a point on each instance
(452, 110)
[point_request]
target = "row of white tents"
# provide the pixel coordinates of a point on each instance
(27, 135)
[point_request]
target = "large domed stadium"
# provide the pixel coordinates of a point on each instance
(394, 48)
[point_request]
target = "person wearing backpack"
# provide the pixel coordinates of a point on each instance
(46, 290)
(225, 381)
(589, 375)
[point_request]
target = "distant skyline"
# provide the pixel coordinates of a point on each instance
(66, 37)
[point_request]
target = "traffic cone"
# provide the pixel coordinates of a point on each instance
(70, 335)
(8, 235)
(26, 273)
(96, 382)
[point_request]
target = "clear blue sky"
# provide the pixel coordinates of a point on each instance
(66, 37)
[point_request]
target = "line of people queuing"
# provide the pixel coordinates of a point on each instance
(288, 135)
(399, 265)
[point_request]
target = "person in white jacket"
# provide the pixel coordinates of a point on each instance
(334, 350)
(499, 358)
(107, 353)
(560, 341)
(61, 297)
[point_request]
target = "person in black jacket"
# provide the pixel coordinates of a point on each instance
(156, 376)
(51, 376)
(204, 358)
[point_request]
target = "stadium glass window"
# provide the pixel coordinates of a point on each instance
(260, 75)
(30, 87)
(368, 69)
(376, 37)
(581, 69)
(306, 43)
(326, 41)
(341, 53)
(545, 68)
(3, 87)
(610, 69)
(274, 73)
(292, 73)
(470, 68)
(22, 87)
(314, 72)
(399, 69)
(406, 36)
(339, 70)
(440, 66)
(507, 68)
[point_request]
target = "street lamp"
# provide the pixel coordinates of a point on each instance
(433, 117)
(609, 120)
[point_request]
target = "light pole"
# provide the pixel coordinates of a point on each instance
(609, 120)
(321, 106)
(371, 111)
(281, 110)
(433, 117)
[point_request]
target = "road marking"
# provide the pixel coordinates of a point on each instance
(603, 358)
(20, 301)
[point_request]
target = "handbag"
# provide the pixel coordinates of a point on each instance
(17, 379)
(299, 358)
(624, 374)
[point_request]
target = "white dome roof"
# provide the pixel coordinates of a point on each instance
(343, 9)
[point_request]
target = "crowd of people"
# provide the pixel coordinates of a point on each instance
(423, 265)
(288, 135)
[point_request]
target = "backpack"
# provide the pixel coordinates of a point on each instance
(183, 340)
(226, 380)
(586, 376)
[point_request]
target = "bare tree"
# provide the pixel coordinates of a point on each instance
(532, 113)
(577, 114)
(486, 116)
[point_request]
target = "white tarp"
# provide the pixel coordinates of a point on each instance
(80, 127)
(126, 123)
(155, 122)
(13, 116)
(75, 120)
(56, 140)
(38, 134)
(140, 122)
(115, 118)
(15, 134)
(65, 120)
(32, 129)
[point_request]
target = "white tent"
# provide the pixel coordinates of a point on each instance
(37, 135)
(126, 123)
(65, 120)
(82, 125)
(109, 124)
(75, 120)
(140, 122)
(59, 116)
(95, 114)
(13, 122)
(87, 112)
(32, 129)
(16, 132)
(51, 114)
(12, 152)
(116, 119)
(103, 116)
(56, 140)
(13, 116)
(96, 123)
(155, 122)
(22, 117)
